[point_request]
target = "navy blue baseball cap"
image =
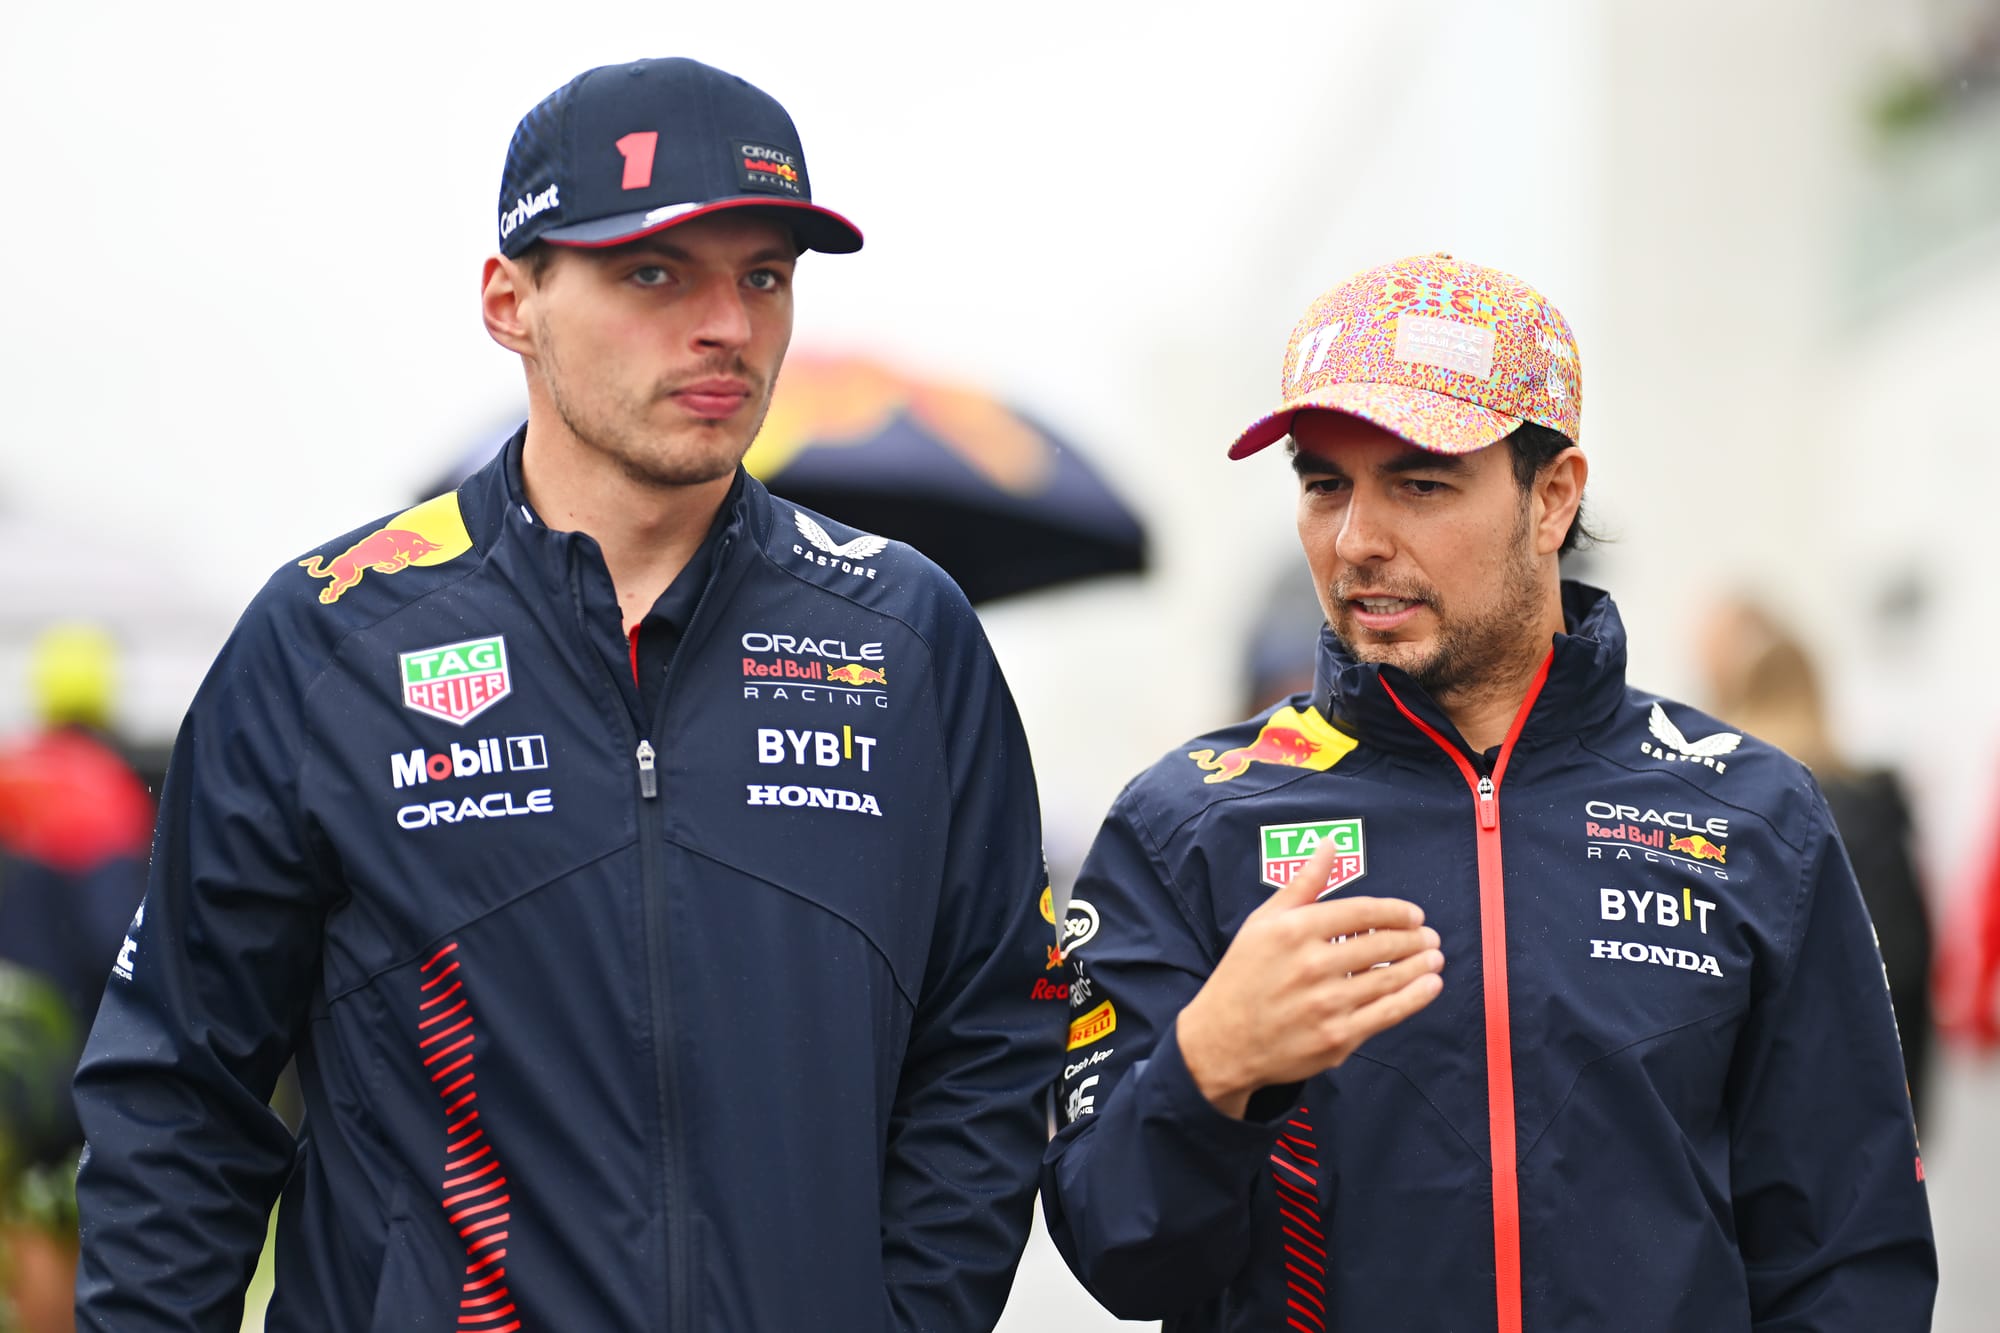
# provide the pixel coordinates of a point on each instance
(622, 151)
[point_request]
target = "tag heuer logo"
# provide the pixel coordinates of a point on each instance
(1287, 848)
(456, 681)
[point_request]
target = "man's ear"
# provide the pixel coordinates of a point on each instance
(504, 295)
(1558, 494)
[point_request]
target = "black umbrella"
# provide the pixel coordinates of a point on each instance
(1002, 503)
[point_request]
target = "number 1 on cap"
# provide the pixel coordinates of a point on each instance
(637, 150)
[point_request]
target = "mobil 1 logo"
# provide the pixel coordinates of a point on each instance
(492, 754)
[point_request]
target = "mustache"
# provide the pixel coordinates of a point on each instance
(731, 365)
(1348, 586)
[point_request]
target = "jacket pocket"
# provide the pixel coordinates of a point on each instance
(415, 1290)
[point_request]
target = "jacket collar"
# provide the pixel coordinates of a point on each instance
(1585, 682)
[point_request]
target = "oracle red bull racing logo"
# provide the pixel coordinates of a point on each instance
(800, 667)
(430, 534)
(1619, 832)
(1293, 738)
(456, 682)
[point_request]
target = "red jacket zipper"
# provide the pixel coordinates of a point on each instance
(1499, 1027)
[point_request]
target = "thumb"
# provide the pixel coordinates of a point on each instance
(1306, 885)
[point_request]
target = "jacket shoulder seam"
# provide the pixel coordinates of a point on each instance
(1165, 871)
(1703, 792)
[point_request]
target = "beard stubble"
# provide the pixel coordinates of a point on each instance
(692, 455)
(1472, 652)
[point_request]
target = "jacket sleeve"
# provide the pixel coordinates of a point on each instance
(184, 1157)
(1831, 1212)
(970, 1118)
(1147, 1187)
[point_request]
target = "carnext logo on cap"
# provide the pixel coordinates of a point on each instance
(526, 207)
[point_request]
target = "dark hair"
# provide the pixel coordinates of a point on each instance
(1534, 448)
(536, 259)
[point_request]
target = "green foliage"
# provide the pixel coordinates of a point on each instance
(37, 1045)
(1908, 101)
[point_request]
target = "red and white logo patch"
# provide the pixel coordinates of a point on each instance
(456, 682)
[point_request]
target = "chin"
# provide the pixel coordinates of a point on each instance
(682, 467)
(1412, 656)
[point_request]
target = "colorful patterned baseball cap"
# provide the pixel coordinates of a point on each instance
(1450, 355)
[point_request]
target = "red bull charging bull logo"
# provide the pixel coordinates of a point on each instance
(429, 534)
(855, 674)
(1294, 738)
(1700, 848)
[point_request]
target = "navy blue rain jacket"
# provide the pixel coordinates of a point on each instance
(726, 1018)
(1660, 1090)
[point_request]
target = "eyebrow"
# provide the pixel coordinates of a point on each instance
(773, 254)
(1415, 460)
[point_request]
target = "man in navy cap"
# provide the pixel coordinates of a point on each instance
(644, 872)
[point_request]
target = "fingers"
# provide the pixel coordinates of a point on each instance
(1353, 916)
(1297, 893)
(1308, 883)
(1367, 985)
(1356, 1008)
(1395, 1005)
(1358, 953)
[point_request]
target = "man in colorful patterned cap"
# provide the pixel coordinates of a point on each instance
(1474, 988)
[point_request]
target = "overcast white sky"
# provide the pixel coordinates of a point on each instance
(246, 238)
(249, 236)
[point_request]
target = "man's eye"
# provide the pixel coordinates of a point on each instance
(650, 275)
(1325, 485)
(766, 279)
(1422, 486)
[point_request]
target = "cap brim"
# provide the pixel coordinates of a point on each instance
(817, 228)
(1433, 421)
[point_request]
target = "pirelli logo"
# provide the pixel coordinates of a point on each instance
(1096, 1025)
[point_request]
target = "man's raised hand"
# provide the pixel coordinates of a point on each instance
(1299, 988)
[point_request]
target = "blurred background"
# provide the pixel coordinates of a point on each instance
(245, 244)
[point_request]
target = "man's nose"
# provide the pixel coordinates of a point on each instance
(1365, 532)
(724, 319)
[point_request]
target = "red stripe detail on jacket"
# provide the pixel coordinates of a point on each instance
(1304, 1244)
(474, 1205)
(1502, 1147)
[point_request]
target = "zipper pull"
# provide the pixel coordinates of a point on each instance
(1489, 804)
(649, 785)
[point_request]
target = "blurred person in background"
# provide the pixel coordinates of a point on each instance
(75, 824)
(1761, 678)
(1656, 1086)
(1968, 970)
(69, 797)
(645, 871)
(1278, 657)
